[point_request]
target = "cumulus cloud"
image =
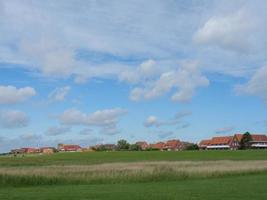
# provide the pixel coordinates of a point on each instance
(256, 86)
(11, 95)
(153, 121)
(97, 118)
(231, 32)
(59, 94)
(57, 130)
(185, 80)
(223, 130)
(13, 119)
(106, 120)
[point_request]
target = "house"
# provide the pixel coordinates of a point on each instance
(69, 148)
(258, 141)
(223, 142)
(173, 145)
(30, 150)
(47, 150)
(158, 146)
(17, 151)
(204, 144)
(142, 144)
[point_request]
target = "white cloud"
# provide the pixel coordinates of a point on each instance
(11, 95)
(57, 130)
(106, 120)
(59, 94)
(13, 119)
(231, 32)
(177, 119)
(185, 80)
(151, 121)
(256, 86)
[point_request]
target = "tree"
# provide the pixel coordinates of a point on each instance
(135, 147)
(192, 147)
(245, 141)
(123, 145)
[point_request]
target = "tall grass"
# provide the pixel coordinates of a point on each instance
(126, 172)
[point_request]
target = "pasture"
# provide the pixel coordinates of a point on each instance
(136, 175)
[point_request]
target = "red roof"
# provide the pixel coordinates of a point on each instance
(221, 140)
(172, 144)
(259, 138)
(204, 142)
(158, 145)
(71, 147)
(239, 137)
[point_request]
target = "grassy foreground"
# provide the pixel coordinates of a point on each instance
(230, 188)
(136, 175)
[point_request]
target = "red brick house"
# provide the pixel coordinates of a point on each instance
(30, 150)
(204, 144)
(223, 142)
(173, 145)
(69, 148)
(258, 141)
(159, 146)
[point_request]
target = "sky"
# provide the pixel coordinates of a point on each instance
(93, 72)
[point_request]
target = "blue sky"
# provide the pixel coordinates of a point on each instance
(93, 72)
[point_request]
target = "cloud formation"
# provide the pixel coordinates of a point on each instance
(256, 86)
(153, 121)
(106, 120)
(186, 79)
(11, 95)
(57, 130)
(59, 94)
(13, 119)
(231, 32)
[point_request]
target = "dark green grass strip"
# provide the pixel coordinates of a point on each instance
(249, 187)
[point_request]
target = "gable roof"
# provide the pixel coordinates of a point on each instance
(158, 145)
(259, 138)
(239, 136)
(172, 144)
(204, 142)
(221, 140)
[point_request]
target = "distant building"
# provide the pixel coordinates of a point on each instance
(173, 145)
(204, 144)
(223, 142)
(48, 150)
(30, 150)
(69, 148)
(158, 146)
(143, 145)
(258, 141)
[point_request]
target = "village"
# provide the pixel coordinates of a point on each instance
(256, 141)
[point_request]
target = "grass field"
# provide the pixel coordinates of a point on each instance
(136, 175)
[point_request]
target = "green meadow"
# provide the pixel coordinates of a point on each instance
(136, 175)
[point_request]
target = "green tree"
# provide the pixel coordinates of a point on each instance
(192, 147)
(245, 141)
(123, 145)
(135, 147)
